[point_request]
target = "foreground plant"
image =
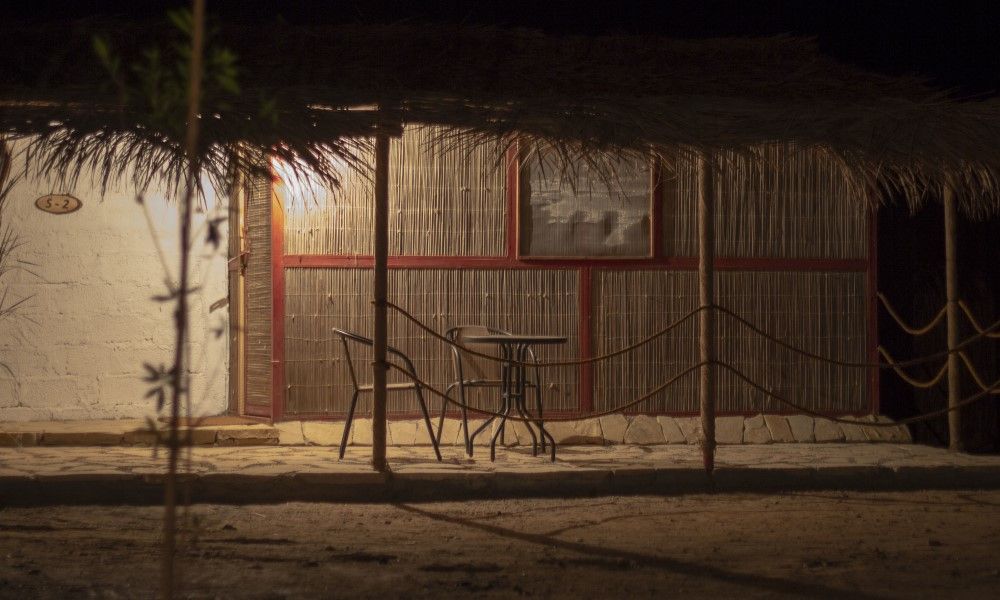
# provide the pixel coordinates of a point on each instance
(168, 85)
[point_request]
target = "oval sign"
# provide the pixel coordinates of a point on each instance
(58, 204)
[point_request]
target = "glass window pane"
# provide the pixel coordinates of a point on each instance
(581, 214)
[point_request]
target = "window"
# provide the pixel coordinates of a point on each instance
(579, 213)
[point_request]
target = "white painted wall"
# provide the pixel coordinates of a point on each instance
(94, 326)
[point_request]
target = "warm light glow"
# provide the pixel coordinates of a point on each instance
(300, 187)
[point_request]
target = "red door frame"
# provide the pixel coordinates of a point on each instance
(585, 268)
(277, 303)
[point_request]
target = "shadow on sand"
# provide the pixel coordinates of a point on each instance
(616, 556)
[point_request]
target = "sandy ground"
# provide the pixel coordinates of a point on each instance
(806, 545)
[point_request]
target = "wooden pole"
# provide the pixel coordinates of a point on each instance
(237, 311)
(955, 442)
(381, 288)
(706, 318)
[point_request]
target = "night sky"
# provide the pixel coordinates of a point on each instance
(953, 44)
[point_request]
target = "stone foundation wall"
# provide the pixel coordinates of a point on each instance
(614, 429)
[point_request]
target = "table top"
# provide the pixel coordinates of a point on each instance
(515, 338)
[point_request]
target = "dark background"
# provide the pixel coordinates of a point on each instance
(954, 45)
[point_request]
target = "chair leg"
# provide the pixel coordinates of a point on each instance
(505, 411)
(444, 408)
(538, 402)
(480, 429)
(465, 430)
(527, 425)
(427, 421)
(465, 419)
(347, 424)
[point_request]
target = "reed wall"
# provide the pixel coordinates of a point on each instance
(446, 198)
(258, 296)
(824, 313)
(777, 203)
(525, 301)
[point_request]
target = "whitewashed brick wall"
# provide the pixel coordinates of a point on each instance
(94, 323)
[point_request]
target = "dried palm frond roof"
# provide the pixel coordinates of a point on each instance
(575, 95)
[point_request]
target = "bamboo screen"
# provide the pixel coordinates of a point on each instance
(258, 294)
(628, 306)
(782, 203)
(821, 312)
(447, 197)
(521, 301)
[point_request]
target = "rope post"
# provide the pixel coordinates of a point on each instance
(706, 318)
(955, 441)
(381, 288)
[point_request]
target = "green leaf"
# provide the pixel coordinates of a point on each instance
(182, 19)
(269, 110)
(102, 49)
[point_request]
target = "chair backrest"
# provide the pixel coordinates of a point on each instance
(350, 336)
(469, 367)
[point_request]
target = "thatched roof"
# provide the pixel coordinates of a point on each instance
(578, 95)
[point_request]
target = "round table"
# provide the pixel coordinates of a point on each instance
(514, 352)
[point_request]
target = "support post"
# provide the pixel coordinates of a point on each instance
(237, 305)
(381, 287)
(955, 441)
(706, 318)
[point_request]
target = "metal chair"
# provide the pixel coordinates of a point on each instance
(359, 388)
(475, 372)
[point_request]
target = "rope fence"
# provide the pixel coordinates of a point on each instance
(725, 311)
(917, 383)
(896, 366)
(975, 374)
(993, 389)
(975, 324)
(910, 329)
(621, 408)
(861, 365)
(981, 332)
(917, 331)
(551, 363)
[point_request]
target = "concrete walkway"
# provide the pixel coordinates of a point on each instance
(265, 474)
